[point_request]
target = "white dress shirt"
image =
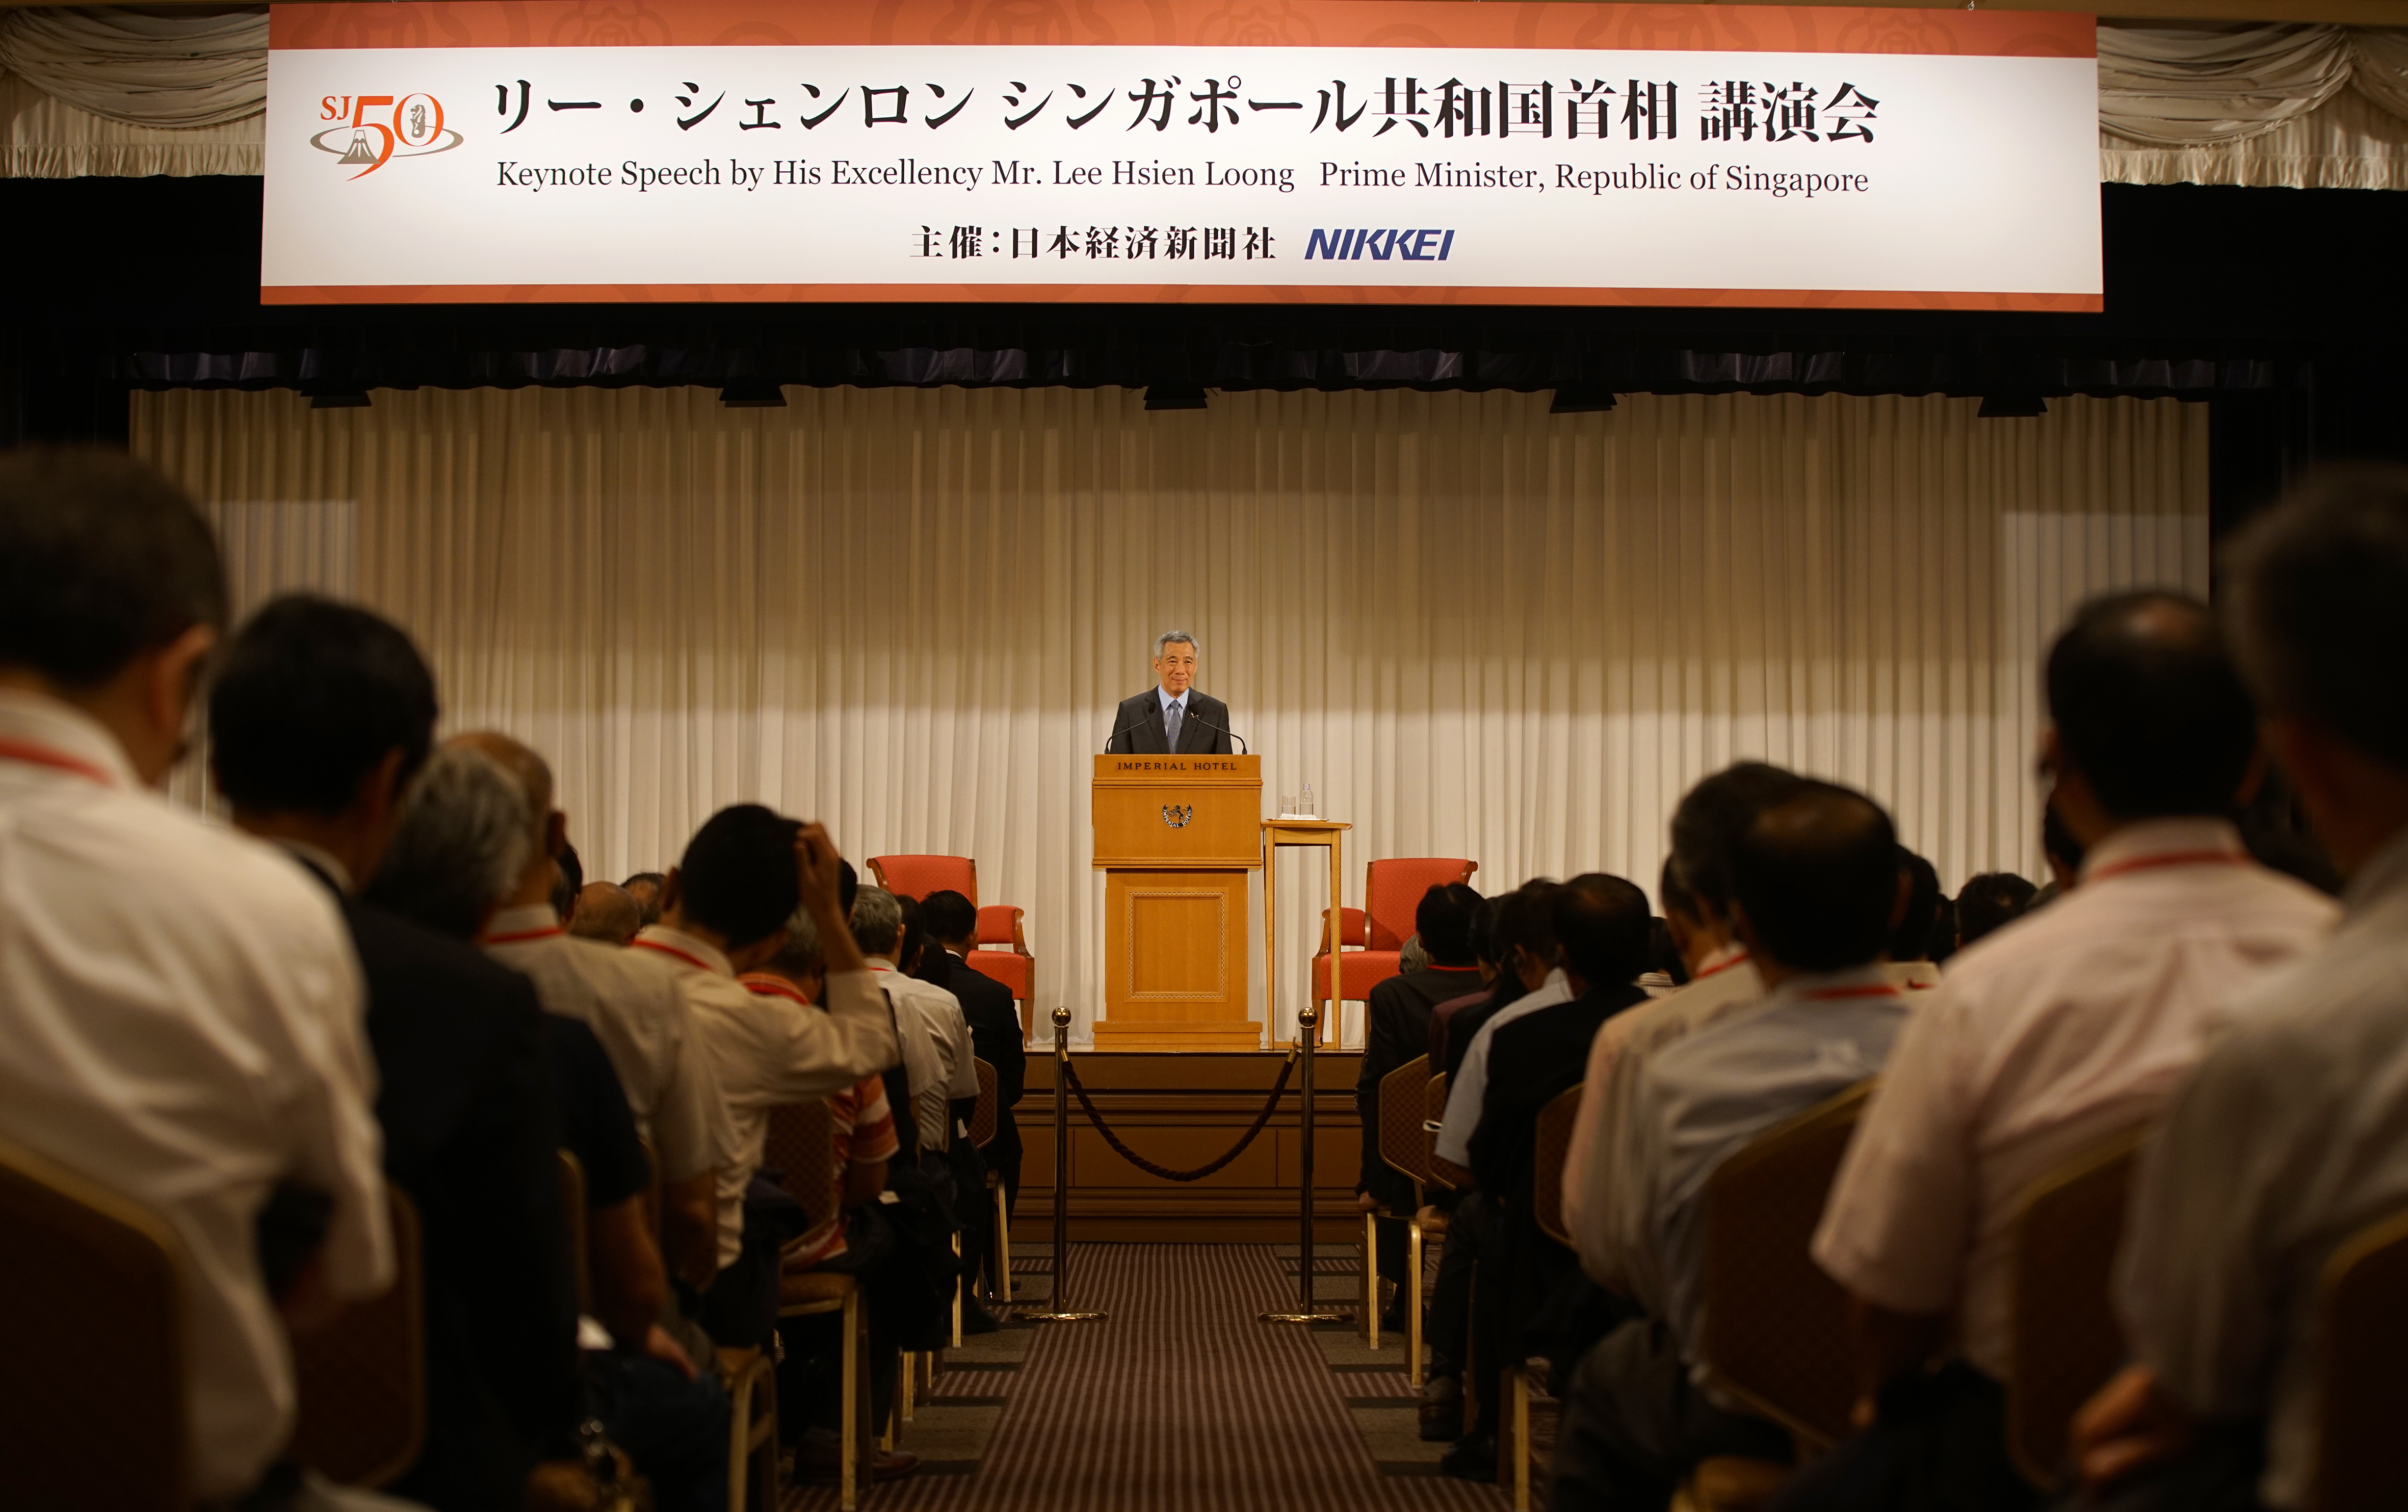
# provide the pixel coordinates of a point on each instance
(2288, 1136)
(1703, 1099)
(1467, 1093)
(631, 1001)
(2047, 1038)
(764, 1051)
(946, 1065)
(1594, 1162)
(181, 1023)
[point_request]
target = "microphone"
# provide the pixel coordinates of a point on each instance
(1116, 734)
(1209, 724)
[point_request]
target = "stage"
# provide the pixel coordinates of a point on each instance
(1182, 1110)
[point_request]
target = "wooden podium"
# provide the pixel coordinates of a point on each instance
(1175, 836)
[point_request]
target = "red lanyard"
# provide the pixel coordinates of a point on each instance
(772, 987)
(1739, 959)
(2151, 863)
(517, 935)
(42, 756)
(1870, 989)
(696, 963)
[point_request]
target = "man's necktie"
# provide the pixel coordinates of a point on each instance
(1170, 725)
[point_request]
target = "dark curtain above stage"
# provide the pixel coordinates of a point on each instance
(2281, 307)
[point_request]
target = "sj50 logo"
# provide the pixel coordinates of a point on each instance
(372, 130)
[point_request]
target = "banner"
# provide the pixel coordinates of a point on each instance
(1296, 150)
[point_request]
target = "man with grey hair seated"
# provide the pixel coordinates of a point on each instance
(606, 912)
(458, 856)
(1170, 718)
(919, 1017)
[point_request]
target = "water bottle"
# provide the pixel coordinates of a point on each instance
(1305, 802)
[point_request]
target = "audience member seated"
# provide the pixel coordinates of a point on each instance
(1919, 925)
(996, 1033)
(606, 912)
(2286, 1137)
(1695, 891)
(461, 849)
(648, 889)
(2050, 1038)
(1444, 1052)
(1523, 941)
(853, 1240)
(179, 1016)
(1600, 926)
(1815, 896)
(724, 911)
(1396, 1028)
(920, 959)
(936, 1039)
(1989, 902)
(631, 1001)
(320, 717)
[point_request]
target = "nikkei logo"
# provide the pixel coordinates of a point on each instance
(1416, 246)
(413, 129)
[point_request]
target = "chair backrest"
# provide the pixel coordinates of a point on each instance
(800, 1146)
(361, 1381)
(572, 1216)
(1393, 889)
(1775, 1328)
(91, 1355)
(998, 924)
(1552, 1141)
(1401, 1144)
(917, 876)
(1433, 1110)
(2064, 1340)
(982, 1117)
(2363, 1319)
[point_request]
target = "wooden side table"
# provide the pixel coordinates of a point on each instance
(1285, 832)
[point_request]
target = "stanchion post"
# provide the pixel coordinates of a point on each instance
(1058, 1306)
(1307, 1019)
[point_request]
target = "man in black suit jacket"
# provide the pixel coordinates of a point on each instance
(317, 720)
(995, 1031)
(1171, 718)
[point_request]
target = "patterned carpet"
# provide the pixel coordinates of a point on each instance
(1182, 1402)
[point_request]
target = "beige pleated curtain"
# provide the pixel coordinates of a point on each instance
(1475, 628)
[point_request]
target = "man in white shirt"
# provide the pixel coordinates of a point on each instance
(2058, 1033)
(1696, 897)
(1816, 886)
(631, 1001)
(180, 1013)
(2291, 1132)
(724, 911)
(937, 1056)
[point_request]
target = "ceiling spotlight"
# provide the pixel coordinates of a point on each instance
(752, 394)
(1174, 396)
(1581, 399)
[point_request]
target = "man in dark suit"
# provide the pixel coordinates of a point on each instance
(995, 1030)
(319, 719)
(1171, 718)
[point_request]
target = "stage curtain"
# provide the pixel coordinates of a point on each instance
(1475, 628)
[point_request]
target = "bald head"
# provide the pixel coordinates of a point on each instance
(547, 828)
(2149, 709)
(1816, 876)
(606, 912)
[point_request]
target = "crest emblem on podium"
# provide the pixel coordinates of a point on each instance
(1177, 814)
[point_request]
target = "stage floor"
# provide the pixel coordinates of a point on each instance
(1182, 1110)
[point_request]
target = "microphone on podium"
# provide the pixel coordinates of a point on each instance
(1209, 724)
(1117, 734)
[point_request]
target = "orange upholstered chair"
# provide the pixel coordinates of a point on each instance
(998, 924)
(1372, 937)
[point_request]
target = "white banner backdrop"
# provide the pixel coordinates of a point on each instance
(1898, 168)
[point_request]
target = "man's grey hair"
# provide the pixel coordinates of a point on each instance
(1167, 636)
(877, 921)
(461, 847)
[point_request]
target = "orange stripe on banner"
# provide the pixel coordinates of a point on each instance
(1355, 24)
(1202, 293)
